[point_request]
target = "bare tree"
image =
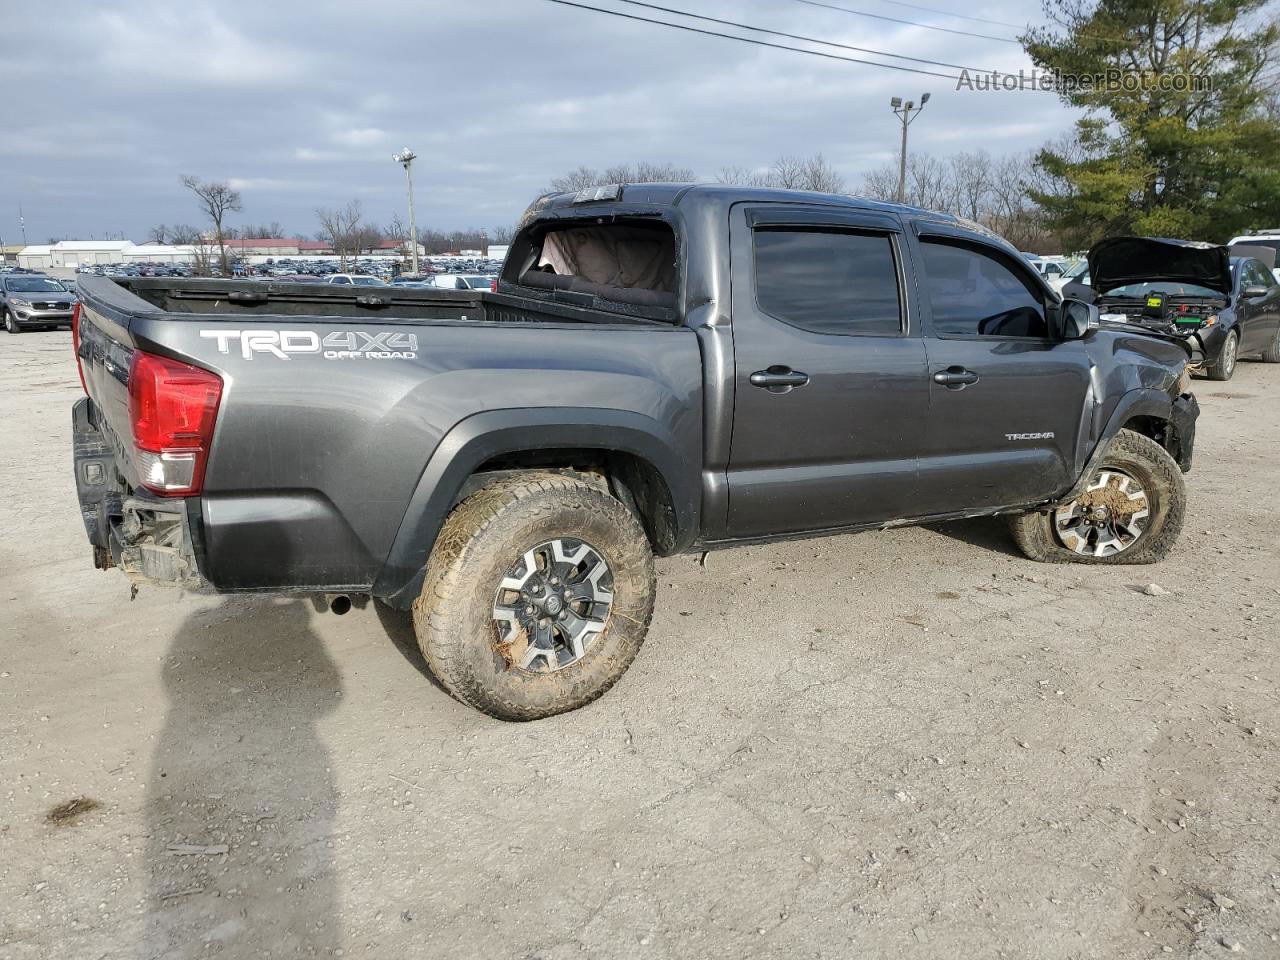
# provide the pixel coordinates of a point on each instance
(216, 199)
(817, 174)
(642, 172)
(788, 172)
(158, 234)
(341, 227)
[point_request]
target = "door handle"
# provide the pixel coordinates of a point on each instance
(955, 377)
(779, 379)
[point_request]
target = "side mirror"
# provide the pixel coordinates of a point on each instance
(1254, 290)
(1076, 318)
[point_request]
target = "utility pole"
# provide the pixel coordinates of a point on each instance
(22, 222)
(405, 158)
(906, 114)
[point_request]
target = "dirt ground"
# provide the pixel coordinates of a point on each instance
(908, 744)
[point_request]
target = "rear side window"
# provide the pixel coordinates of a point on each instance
(974, 293)
(828, 281)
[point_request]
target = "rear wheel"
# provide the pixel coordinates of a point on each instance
(1272, 353)
(1225, 366)
(1131, 510)
(538, 596)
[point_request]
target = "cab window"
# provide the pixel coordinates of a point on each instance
(973, 292)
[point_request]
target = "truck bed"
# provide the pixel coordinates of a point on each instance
(238, 298)
(333, 402)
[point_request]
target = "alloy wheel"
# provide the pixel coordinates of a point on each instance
(552, 604)
(1230, 351)
(1108, 518)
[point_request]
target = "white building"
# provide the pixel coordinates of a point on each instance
(36, 257)
(159, 253)
(75, 253)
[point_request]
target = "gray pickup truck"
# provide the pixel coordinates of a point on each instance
(662, 368)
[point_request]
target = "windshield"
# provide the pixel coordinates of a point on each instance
(367, 281)
(478, 283)
(1168, 288)
(34, 285)
(1079, 268)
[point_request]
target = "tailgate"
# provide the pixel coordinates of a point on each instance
(105, 351)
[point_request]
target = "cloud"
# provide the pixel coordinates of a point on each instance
(360, 136)
(301, 103)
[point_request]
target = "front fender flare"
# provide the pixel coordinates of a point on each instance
(483, 436)
(1142, 402)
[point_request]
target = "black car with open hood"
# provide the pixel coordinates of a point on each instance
(1219, 304)
(1124, 261)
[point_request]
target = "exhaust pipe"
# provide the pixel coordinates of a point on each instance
(339, 603)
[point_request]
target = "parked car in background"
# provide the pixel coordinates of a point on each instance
(28, 300)
(1051, 268)
(1262, 238)
(1222, 306)
(356, 279)
(463, 281)
(1077, 273)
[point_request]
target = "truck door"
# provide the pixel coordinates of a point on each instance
(831, 387)
(1006, 399)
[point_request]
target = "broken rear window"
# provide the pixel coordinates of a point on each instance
(626, 261)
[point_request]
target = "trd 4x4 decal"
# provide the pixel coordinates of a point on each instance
(336, 345)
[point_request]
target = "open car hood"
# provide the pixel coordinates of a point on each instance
(1118, 261)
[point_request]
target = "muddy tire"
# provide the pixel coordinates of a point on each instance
(1136, 474)
(1224, 367)
(1272, 353)
(538, 596)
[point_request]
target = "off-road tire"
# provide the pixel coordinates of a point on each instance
(1149, 463)
(482, 537)
(1224, 367)
(10, 324)
(1272, 353)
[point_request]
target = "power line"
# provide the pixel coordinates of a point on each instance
(909, 23)
(794, 36)
(758, 43)
(957, 16)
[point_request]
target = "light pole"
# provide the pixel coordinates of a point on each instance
(405, 158)
(904, 110)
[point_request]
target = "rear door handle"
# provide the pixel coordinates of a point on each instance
(955, 377)
(779, 379)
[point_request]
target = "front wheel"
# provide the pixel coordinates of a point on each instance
(1131, 510)
(538, 596)
(10, 324)
(1225, 366)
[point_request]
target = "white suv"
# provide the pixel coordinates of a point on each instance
(1263, 238)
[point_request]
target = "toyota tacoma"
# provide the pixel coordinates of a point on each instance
(661, 368)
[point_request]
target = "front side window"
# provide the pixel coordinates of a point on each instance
(974, 293)
(828, 281)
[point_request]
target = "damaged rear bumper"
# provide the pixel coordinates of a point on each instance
(152, 539)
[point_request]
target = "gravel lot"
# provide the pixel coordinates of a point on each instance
(912, 743)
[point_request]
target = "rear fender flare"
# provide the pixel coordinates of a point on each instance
(481, 437)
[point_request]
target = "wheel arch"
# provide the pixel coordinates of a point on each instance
(1146, 411)
(634, 454)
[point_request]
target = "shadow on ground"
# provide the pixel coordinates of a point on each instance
(241, 799)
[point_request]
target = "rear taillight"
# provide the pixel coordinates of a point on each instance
(75, 344)
(172, 407)
(493, 285)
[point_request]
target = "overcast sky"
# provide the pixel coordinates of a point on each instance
(301, 104)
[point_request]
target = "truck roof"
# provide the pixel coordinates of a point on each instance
(686, 195)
